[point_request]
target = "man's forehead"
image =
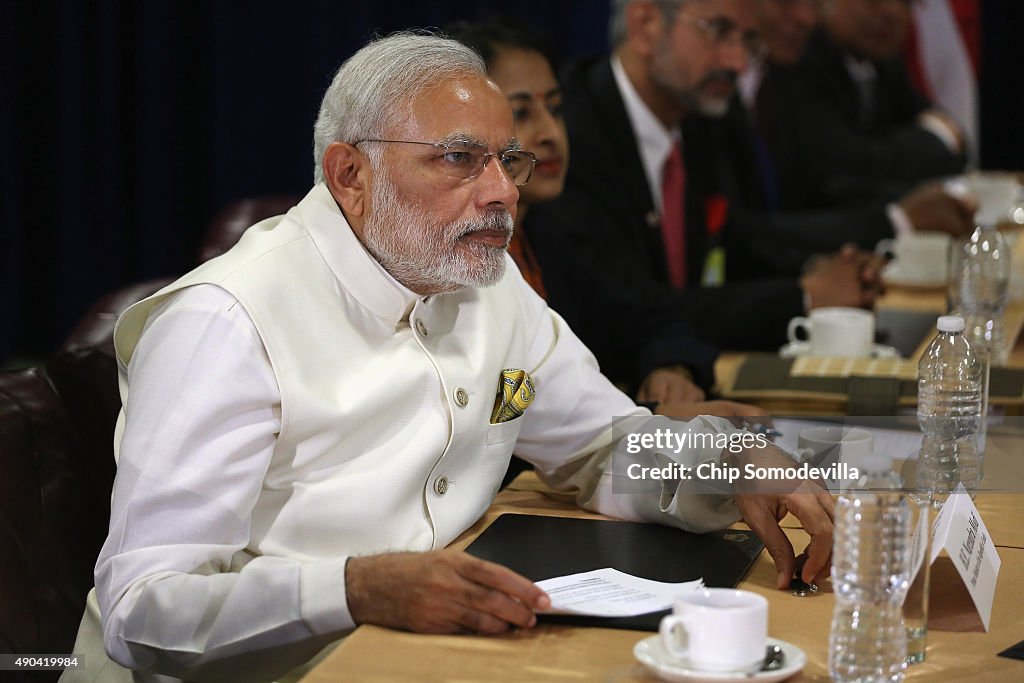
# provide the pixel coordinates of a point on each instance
(470, 109)
(739, 11)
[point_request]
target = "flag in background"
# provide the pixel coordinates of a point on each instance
(943, 53)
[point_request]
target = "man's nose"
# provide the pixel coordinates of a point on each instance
(734, 58)
(732, 53)
(497, 187)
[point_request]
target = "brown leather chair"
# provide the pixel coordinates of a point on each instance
(84, 370)
(84, 373)
(56, 472)
(228, 225)
(47, 539)
(57, 464)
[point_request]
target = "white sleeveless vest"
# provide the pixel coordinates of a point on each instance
(376, 451)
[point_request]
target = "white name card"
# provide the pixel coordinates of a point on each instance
(961, 533)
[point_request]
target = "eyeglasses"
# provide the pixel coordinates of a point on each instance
(465, 160)
(722, 32)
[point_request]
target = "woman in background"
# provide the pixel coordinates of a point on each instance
(670, 369)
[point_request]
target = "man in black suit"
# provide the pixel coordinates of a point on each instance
(785, 27)
(844, 122)
(672, 77)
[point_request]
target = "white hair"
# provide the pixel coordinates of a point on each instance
(376, 84)
(617, 21)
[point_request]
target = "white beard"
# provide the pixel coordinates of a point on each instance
(426, 255)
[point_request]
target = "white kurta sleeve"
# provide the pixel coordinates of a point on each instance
(178, 592)
(567, 434)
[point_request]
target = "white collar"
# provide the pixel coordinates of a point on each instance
(355, 268)
(861, 71)
(749, 84)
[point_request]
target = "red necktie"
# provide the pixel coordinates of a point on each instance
(673, 225)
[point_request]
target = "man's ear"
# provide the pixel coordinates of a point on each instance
(644, 26)
(347, 174)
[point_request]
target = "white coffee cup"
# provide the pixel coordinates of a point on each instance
(836, 331)
(997, 194)
(919, 255)
(717, 629)
(854, 443)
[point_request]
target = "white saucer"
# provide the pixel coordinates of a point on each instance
(651, 653)
(798, 349)
(892, 275)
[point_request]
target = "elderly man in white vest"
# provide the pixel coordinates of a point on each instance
(311, 418)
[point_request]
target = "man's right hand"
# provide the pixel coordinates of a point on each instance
(848, 277)
(442, 591)
(931, 209)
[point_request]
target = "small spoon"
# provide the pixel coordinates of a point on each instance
(774, 658)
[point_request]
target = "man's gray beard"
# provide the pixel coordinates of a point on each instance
(424, 255)
(690, 99)
(714, 107)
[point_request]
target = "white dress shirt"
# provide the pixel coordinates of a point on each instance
(290, 405)
(654, 140)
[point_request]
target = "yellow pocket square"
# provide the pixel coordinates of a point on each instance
(515, 392)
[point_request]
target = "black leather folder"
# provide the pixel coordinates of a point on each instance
(545, 547)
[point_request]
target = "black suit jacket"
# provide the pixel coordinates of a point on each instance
(604, 234)
(629, 340)
(825, 151)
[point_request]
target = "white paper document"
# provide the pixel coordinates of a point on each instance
(611, 593)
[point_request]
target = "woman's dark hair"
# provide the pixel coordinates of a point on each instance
(488, 37)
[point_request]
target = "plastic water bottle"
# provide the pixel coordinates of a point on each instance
(870, 576)
(950, 388)
(979, 288)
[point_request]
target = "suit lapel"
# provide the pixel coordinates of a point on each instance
(621, 138)
(611, 119)
(826, 61)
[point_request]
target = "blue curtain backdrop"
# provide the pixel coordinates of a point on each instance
(127, 124)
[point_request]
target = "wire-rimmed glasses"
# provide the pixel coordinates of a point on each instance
(463, 160)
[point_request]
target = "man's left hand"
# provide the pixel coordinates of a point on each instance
(808, 500)
(814, 507)
(849, 277)
(869, 266)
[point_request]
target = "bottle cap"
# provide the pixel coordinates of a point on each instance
(950, 323)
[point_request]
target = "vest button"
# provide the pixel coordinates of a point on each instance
(441, 486)
(421, 328)
(461, 397)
